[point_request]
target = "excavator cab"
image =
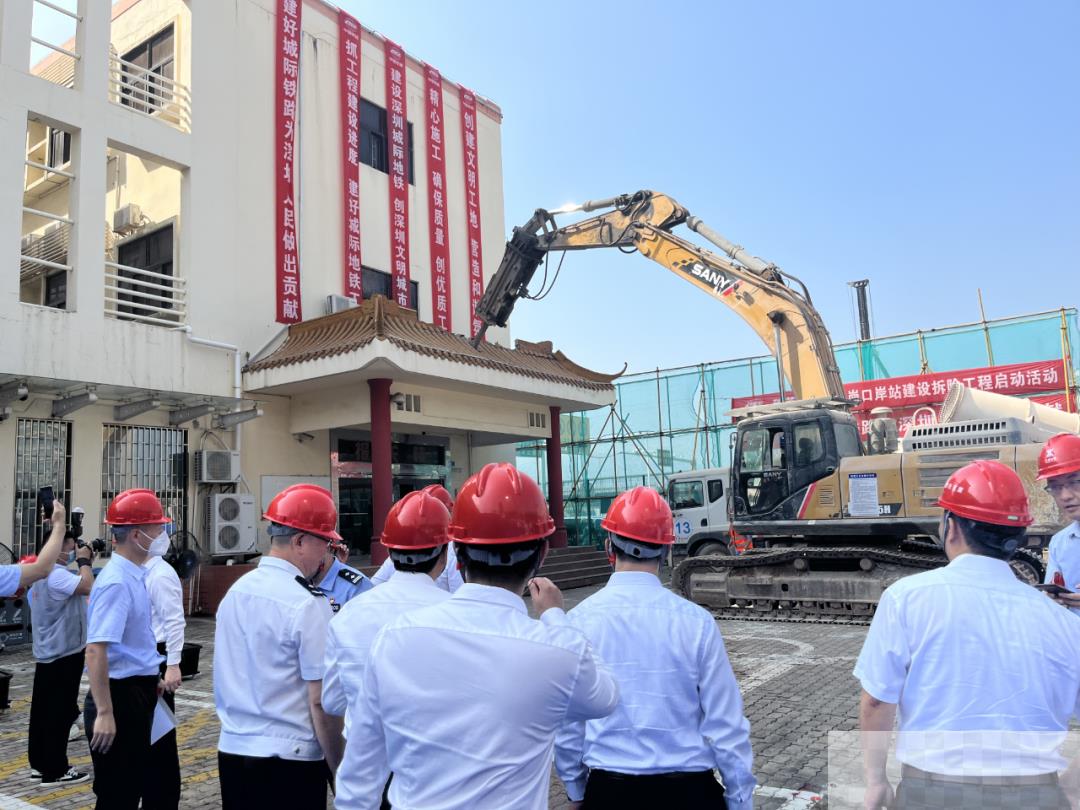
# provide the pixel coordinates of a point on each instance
(778, 456)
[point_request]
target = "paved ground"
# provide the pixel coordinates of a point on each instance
(795, 678)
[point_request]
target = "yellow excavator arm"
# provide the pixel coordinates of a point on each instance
(775, 304)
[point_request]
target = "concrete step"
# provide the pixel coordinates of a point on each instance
(581, 580)
(551, 569)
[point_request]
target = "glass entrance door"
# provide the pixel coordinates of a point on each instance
(354, 513)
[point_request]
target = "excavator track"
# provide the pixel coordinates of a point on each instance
(1026, 564)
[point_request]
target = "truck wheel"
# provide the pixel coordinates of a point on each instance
(713, 549)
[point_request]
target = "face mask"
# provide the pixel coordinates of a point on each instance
(71, 557)
(159, 546)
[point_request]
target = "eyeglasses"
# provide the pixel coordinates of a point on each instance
(1057, 487)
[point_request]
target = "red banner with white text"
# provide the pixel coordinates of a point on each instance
(472, 206)
(437, 232)
(286, 95)
(349, 59)
(918, 398)
(396, 117)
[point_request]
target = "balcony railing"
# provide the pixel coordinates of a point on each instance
(134, 294)
(149, 93)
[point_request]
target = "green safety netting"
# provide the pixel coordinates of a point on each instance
(672, 420)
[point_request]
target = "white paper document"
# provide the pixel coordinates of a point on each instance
(164, 721)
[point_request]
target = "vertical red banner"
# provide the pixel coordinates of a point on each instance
(396, 112)
(349, 43)
(436, 165)
(286, 95)
(472, 205)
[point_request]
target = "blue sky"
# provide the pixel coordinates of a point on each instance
(932, 147)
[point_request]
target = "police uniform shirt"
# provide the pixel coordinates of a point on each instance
(9, 579)
(466, 697)
(970, 648)
(269, 642)
(680, 708)
(348, 644)
(1064, 557)
(58, 615)
(449, 580)
(167, 608)
(342, 582)
(119, 616)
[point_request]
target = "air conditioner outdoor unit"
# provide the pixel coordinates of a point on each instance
(127, 219)
(217, 467)
(338, 303)
(230, 521)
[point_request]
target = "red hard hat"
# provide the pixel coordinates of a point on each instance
(498, 506)
(307, 508)
(135, 507)
(987, 492)
(440, 492)
(1059, 456)
(418, 520)
(640, 514)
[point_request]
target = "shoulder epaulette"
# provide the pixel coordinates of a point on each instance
(347, 574)
(309, 587)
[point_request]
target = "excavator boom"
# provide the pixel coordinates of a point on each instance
(776, 305)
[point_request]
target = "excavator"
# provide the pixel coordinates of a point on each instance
(832, 523)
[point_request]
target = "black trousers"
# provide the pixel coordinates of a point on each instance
(253, 782)
(161, 787)
(915, 793)
(53, 708)
(673, 791)
(118, 772)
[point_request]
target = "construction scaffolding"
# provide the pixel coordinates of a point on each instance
(672, 420)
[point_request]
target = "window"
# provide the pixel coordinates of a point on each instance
(376, 282)
(763, 449)
(537, 419)
(808, 445)
(374, 140)
(59, 153)
(56, 290)
(847, 441)
(42, 459)
(716, 490)
(153, 253)
(686, 494)
(142, 89)
(152, 458)
(354, 450)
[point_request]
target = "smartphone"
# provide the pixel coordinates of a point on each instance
(45, 500)
(1053, 589)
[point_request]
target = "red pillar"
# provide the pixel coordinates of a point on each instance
(554, 469)
(382, 483)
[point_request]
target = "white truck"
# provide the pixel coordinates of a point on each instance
(698, 500)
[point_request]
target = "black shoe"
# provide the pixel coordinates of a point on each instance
(72, 777)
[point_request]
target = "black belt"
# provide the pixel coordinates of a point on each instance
(910, 771)
(673, 776)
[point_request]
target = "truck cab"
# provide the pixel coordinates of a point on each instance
(699, 504)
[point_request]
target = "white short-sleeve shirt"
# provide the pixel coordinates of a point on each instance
(269, 642)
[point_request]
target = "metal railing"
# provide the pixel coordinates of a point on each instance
(47, 251)
(134, 294)
(149, 93)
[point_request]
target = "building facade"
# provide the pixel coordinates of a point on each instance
(249, 237)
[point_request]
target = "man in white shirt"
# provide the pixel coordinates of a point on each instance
(680, 715)
(1059, 467)
(983, 671)
(450, 578)
(162, 788)
(462, 700)
(416, 537)
(278, 747)
(58, 614)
